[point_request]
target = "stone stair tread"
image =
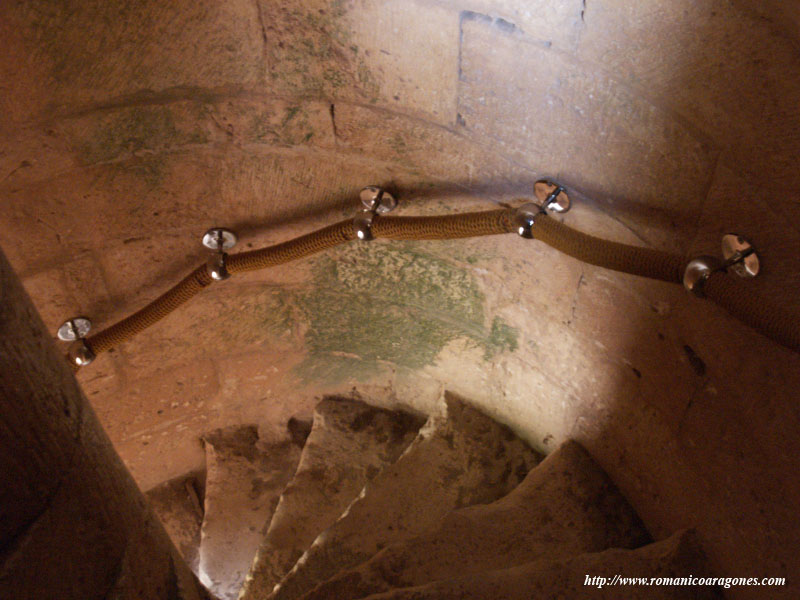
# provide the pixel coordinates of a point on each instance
(458, 459)
(565, 577)
(350, 442)
(244, 480)
(566, 506)
(178, 505)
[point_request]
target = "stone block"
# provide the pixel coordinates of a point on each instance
(178, 505)
(551, 24)
(40, 230)
(32, 154)
(308, 52)
(215, 322)
(156, 421)
(566, 506)
(259, 387)
(139, 269)
(139, 53)
(204, 118)
(710, 67)
(422, 148)
(582, 127)
(151, 405)
(104, 384)
(411, 48)
(75, 289)
(52, 301)
(548, 577)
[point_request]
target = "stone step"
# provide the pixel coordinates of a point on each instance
(566, 506)
(244, 479)
(350, 443)
(552, 579)
(458, 459)
(178, 504)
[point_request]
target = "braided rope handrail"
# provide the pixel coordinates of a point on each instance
(763, 314)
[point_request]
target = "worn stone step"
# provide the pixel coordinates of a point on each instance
(350, 443)
(567, 577)
(565, 506)
(244, 479)
(459, 458)
(178, 504)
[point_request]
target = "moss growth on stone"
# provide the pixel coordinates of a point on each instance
(133, 130)
(501, 337)
(391, 302)
(291, 112)
(317, 57)
(273, 309)
(334, 368)
(265, 315)
(150, 169)
(292, 127)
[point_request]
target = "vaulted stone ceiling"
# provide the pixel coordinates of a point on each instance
(129, 128)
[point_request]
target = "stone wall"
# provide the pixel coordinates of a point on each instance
(128, 131)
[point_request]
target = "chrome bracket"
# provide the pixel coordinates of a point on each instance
(525, 217)
(219, 239)
(738, 255)
(362, 224)
(552, 196)
(74, 330)
(697, 273)
(376, 201)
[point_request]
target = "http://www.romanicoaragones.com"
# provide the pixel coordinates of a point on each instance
(599, 581)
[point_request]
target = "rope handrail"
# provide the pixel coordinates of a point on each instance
(763, 314)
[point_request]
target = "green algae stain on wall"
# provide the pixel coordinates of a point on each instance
(393, 303)
(312, 54)
(289, 125)
(263, 316)
(501, 337)
(148, 128)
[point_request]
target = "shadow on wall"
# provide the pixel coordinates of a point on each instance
(696, 415)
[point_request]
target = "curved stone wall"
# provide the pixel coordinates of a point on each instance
(130, 129)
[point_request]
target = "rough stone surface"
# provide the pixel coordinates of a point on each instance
(243, 483)
(403, 70)
(126, 132)
(349, 444)
(558, 118)
(565, 506)
(72, 523)
(459, 459)
(135, 55)
(552, 579)
(178, 504)
(143, 420)
(711, 83)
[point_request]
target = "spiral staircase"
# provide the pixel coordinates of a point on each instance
(366, 502)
